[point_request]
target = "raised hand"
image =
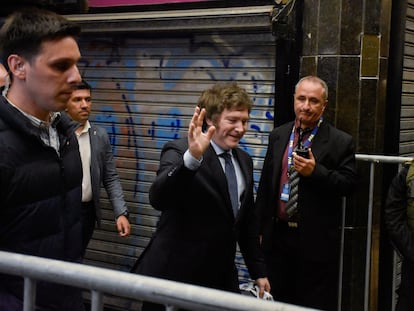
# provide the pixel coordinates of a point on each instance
(198, 141)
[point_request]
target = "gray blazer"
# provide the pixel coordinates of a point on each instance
(103, 172)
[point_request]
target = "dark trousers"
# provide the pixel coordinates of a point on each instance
(88, 219)
(296, 280)
(406, 289)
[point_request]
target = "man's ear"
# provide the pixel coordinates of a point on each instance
(17, 66)
(326, 104)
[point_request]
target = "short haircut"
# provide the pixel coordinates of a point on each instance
(83, 85)
(24, 31)
(224, 96)
(317, 80)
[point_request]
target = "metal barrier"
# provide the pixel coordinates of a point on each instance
(128, 285)
(171, 294)
(374, 159)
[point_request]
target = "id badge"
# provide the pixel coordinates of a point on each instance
(284, 196)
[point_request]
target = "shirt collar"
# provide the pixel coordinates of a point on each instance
(218, 149)
(86, 127)
(54, 117)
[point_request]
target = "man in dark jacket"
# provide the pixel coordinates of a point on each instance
(301, 229)
(40, 167)
(98, 167)
(199, 228)
(399, 220)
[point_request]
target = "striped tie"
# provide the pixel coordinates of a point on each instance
(292, 203)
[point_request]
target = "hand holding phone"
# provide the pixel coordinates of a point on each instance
(303, 152)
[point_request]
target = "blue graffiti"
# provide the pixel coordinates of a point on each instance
(132, 138)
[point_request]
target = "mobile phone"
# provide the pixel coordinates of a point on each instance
(303, 152)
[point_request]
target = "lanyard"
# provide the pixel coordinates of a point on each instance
(305, 144)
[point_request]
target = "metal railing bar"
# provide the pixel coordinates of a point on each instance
(96, 301)
(369, 236)
(341, 255)
(382, 158)
(373, 159)
(29, 294)
(169, 293)
(129, 285)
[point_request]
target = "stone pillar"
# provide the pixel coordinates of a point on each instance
(346, 42)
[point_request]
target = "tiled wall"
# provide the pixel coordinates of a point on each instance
(345, 42)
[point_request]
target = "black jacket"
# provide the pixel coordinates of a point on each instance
(196, 237)
(40, 195)
(395, 215)
(320, 194)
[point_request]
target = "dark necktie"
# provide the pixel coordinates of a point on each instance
(292, 203)
(231, 182)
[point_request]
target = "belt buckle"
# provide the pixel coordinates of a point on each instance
(292, 224)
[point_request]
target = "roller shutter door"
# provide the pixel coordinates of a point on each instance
(406, 122)
(145, 88)
(407, 99)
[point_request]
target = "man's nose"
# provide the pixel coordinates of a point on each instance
(306, 104)
(75, 76)
(240, 126)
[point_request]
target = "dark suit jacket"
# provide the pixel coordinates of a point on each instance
(320, 195)
(195, 240)
(395, 215)
(103, 172)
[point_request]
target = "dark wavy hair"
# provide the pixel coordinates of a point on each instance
(223, 96)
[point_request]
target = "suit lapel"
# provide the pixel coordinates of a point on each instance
(218, 178)
(247, 175)
(243, 166)
(94, 162)
(93, 139)
(279, 145)
(321, 139)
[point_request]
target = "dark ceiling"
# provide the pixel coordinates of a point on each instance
(60, 6)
